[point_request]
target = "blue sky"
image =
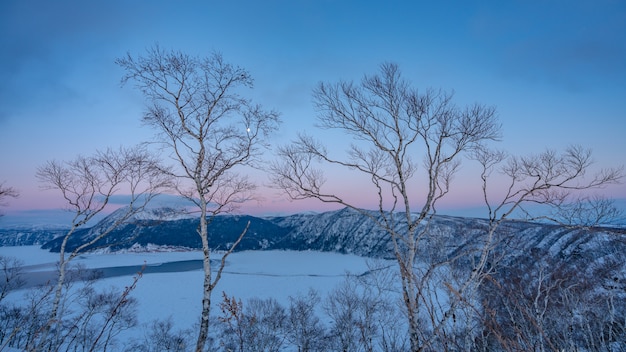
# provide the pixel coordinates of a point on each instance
(555, 70)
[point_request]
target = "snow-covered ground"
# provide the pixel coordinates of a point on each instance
(262, 274)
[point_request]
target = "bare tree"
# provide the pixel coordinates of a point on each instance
(20, 324)
(269, 328)
(305, 330)
(380, 292)
(359, 317)
(91, 319)
(162, 336)
(11, 275)
(549, 179)
(87, 184)
(199, 113)
(6, 192)
(237, 324)
(587, 211)
(391, 124)
(257, 326)
(555, 182)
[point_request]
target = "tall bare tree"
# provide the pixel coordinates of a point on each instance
(392, 125)
(211, 129)
(87, 184)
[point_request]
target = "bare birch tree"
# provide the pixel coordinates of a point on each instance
(556, 182)
(392, 125)
(198, 111)
(87, 184)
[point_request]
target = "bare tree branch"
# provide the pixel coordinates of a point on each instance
(549, 179)
(7, 192)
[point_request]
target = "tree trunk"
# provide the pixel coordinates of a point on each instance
(207, 287)
(411, 306)
(410, 298)
(58, 292)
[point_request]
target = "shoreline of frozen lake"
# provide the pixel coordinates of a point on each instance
(178, 294)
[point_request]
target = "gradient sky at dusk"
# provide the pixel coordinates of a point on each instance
(555, 70)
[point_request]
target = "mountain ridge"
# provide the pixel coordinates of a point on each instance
(528, 262)
(345, 231)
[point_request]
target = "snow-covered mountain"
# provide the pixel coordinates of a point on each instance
(343, 231)
(575, 275)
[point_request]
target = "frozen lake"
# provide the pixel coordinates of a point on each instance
(172, 282)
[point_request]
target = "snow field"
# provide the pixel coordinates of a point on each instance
(261, 274)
